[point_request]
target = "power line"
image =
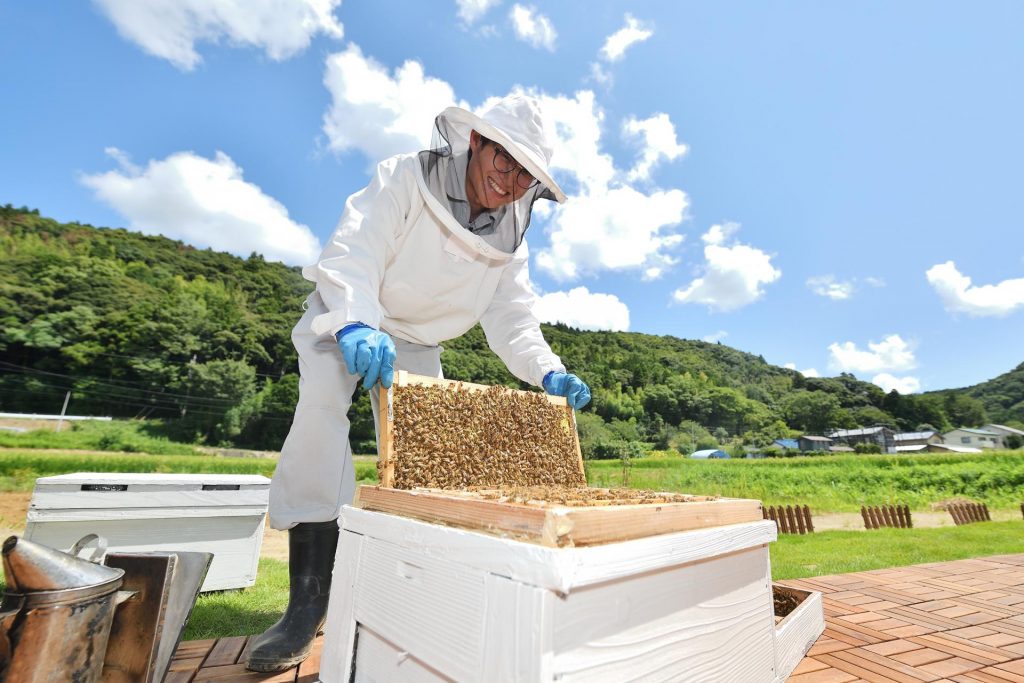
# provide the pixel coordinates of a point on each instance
(163, 358)
(159, 402)
(21, 369)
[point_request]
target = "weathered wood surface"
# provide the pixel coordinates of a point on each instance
(886, 516)
(957, 621)
(223, 660)
(792, 519)
(947, 622)
(559, 525)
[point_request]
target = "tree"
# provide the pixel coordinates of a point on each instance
(964, 411)
(811, 411)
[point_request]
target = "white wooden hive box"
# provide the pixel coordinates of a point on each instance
(222, 514)
(414, 600)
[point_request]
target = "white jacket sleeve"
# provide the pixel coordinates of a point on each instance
(512, 330)
(351, 267)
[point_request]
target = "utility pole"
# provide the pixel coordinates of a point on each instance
(188, 387)
(60, 422)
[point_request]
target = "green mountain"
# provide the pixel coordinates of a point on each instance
(143, 326)
(1002, 396)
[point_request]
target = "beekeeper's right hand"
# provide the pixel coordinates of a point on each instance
(368, 353)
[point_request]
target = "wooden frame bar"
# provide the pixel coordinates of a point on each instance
(558, 525)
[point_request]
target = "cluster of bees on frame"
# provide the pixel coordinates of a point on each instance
(447, 437)
(580, 496)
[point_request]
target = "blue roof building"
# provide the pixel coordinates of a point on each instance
(710, 453)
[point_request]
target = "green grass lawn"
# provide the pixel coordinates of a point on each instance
(839, 552)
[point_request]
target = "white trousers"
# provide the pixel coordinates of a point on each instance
(315, 475)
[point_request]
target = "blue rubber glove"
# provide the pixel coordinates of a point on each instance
(368, 353)
(576, 393)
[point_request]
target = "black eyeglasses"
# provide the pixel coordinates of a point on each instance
(506, 163)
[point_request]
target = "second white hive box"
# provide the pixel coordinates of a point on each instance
(221, 514)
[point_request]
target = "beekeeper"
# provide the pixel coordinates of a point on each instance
(433, 245)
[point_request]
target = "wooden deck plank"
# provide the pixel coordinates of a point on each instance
(901, 625)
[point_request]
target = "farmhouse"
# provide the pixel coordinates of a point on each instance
(814, 443)
(975, 438)
(1003, 432)
(936, 448)
(881, 436)
(916, 438)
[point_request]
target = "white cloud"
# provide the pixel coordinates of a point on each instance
(959, 295)
(606, 224)
(599, 75)
(471, 10)
(892, 354)
(809, 372)
(206, 203)
(533, 28)
(170, 29)
(658, 137)
(734, 275)
(904, 385)
(617, 43)
(616, 229)
(828, 286)
(379, 114)
(583, 309)
(875, 281)
(715, 336)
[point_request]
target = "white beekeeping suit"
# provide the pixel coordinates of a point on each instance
(405, 259)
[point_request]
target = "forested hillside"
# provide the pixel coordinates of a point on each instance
(144, 326)
(1002, 396)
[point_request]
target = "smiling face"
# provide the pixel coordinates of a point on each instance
(486, 187)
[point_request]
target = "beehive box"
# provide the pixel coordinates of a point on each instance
(482, 558)
(432, 601)
(221, 514)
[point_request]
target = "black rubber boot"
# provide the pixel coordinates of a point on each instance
(311, 548)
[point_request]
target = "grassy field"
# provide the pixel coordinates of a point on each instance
(235, 613)
(129, 436)
(839, 483)
(20, 468)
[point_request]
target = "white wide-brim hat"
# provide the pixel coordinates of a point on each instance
(516, 123)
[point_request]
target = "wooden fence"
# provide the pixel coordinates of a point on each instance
(965, 513)
(792, 519)
(891, 516)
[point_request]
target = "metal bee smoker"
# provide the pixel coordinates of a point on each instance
(64, 618)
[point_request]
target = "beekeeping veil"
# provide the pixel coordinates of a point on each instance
(516, 124)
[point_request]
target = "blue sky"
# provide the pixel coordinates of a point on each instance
(836, 186)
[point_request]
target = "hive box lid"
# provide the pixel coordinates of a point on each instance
(95, 495)
(138, 480)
